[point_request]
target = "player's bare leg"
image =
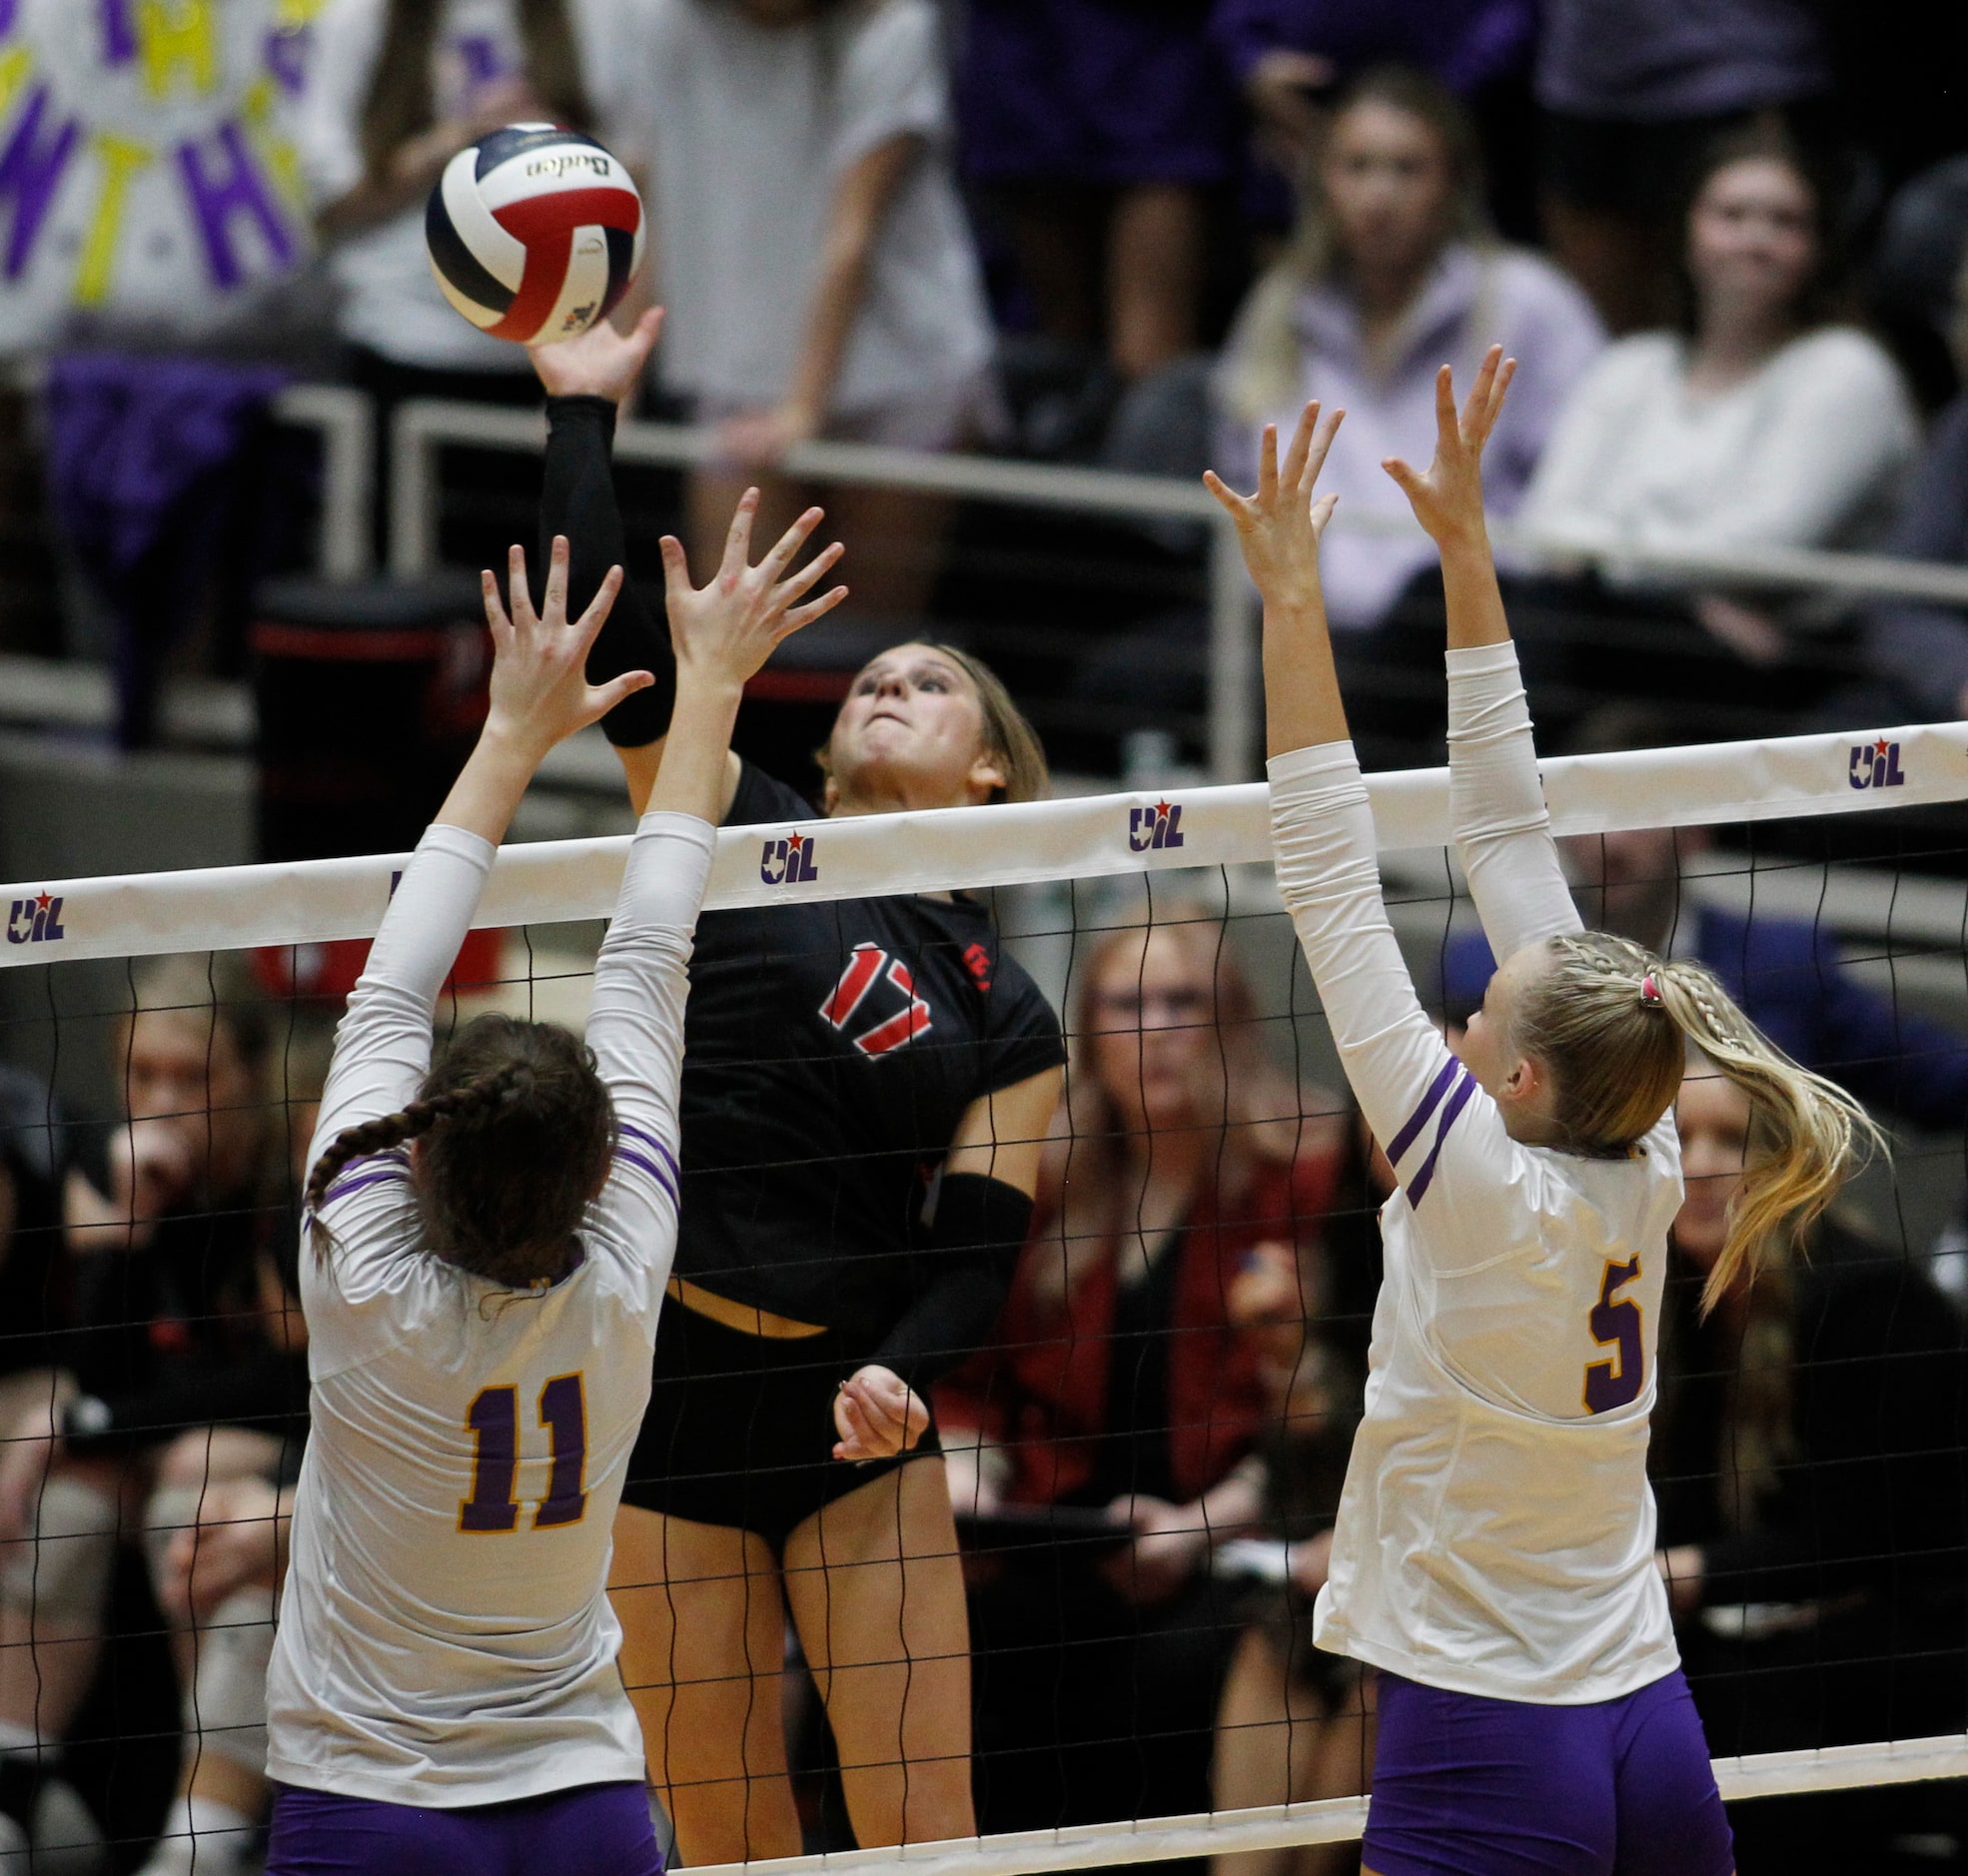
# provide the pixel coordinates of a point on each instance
(876, 1590)
(704, 1652)
(1279, 1744)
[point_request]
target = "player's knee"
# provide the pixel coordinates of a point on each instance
(61, 1570)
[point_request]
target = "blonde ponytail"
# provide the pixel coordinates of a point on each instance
(1805, 1133)
(1613, 1024)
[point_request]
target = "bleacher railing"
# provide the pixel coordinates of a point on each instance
(422, 428)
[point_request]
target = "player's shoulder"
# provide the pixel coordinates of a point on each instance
(761, 797)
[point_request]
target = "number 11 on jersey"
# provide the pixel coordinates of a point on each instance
(495, 1424)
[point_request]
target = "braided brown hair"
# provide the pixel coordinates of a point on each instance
(521, 1132)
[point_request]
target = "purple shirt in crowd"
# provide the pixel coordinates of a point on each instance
(1463, 43)
(1650, 61)
(1473, 299)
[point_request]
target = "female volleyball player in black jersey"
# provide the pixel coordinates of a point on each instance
(838, 1057)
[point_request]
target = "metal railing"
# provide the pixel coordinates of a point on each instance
(423, 426)
(346, 421)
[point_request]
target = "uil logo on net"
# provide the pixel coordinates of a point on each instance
(1157, 827)
(35, 921)
(788, 862)
(1876, 765)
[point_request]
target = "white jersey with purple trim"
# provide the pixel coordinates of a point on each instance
(1495, 1534)
(444, 1639)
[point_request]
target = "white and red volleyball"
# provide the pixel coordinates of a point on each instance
(534, 233)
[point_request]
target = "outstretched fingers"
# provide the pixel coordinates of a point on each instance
(803, 580)
(802, 615)
(601, 698)
(780, 555)
(519, 587)
(1291, 474)
(556, 609)
(499, 625)
(1237, 507)
(1318, 445)
(590, 622)
(737, 538)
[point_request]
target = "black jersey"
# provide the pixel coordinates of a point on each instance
(830, 1050)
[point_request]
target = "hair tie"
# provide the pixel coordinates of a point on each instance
(1651, 995)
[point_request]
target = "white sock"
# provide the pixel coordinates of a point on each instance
(202, 1837)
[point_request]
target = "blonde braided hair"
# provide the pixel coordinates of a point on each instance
(1614, 1025)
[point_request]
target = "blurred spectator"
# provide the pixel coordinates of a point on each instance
(1289, 55)
(1713, 439)
(1785, 973)
(1633, 91)
(1917, 650)
(1295, 1722)
(399, 88)
(1390, 273)
(182, 1372)
(1119, 1409)
(1913, 278)
(1807, 1465)
(1097, 128)
(814, 259)
(219, 1567)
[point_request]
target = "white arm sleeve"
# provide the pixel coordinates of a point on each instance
(1440, 1130)
(1497, 804)
(636, 1028)
(383, 1047)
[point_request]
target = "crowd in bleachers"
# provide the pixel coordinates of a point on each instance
(1126, 232)
(1074, 229)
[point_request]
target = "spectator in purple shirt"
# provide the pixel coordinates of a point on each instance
(1391, 273)
(1633, 91)
(1096, 128)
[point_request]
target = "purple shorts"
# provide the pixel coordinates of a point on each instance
(1106, 92)
(600, 1830)
(1465, 1786)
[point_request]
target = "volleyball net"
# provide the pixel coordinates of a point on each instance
(1141, 1692)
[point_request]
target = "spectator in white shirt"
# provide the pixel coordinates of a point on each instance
(399, 88)
(814, 257)
(1714, 439)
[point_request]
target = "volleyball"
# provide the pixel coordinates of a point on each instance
(534, 233)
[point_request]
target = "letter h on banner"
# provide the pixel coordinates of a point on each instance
(218, 196)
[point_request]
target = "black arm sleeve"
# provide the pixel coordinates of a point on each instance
(980, 1227)
(577, 499)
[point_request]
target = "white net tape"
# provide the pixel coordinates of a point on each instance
(314, 901)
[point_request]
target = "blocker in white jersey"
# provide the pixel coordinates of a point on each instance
(1494, 1553)
(491, 1240)
(442, 1630)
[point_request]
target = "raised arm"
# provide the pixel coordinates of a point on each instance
(1497, 801)
(1412, 1090)
(722, 633)
(587, 378)
(538, 696)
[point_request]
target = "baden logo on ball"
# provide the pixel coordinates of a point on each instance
(534, 233)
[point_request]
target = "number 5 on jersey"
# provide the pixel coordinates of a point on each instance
(1615, 1323)
(495, 1424)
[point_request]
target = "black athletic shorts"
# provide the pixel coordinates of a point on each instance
(741, 1429)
